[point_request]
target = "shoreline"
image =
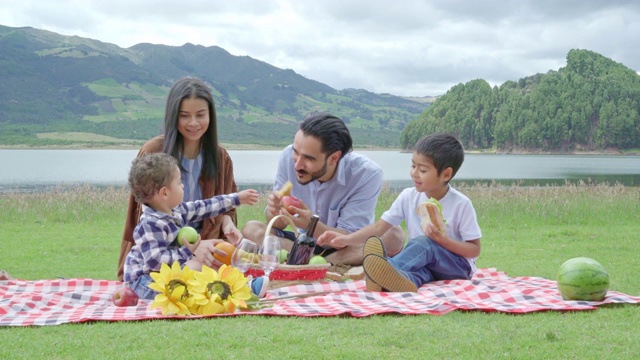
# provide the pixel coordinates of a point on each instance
(137, 147)
(231, 146)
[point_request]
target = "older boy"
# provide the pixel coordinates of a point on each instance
(430, 254)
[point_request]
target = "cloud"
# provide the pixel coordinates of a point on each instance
(402, 47)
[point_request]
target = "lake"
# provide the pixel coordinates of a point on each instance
(29, 170)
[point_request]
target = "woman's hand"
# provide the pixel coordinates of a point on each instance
(230, 230)
(204, 253)
(191, 247)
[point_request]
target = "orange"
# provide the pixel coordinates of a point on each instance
(228, 248)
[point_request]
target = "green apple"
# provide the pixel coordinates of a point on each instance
(188, 233)
(317, 260)
(248, 256)
(282, 255)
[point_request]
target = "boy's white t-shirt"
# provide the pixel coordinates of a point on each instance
(461, 221)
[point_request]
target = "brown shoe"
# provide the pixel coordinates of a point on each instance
(373, 246)
(380, 272)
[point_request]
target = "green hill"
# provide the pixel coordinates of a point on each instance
(591, 104)
(55, 85)
(68, 90)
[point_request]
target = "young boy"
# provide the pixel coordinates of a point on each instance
(430, 254)
(155, 182)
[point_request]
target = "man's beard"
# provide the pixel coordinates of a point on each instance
(314, 176)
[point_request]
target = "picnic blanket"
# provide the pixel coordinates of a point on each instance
(53, 302)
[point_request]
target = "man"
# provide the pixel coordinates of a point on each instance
(339, 186)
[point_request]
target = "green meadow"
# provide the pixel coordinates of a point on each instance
(527, 231)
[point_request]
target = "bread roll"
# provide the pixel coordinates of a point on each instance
(285, 190)
(430, 214)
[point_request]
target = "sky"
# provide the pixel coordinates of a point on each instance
(400, 47)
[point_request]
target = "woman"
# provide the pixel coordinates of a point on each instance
(191, 136)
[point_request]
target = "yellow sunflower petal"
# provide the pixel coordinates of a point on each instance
(176, 270)
(210, 273)
(243, 293)
(158, 302)
(211, 308)
(157, 277)
(225, 271)
(184, 309)
(165, 270)
(159, 287)
(170, 308)
(230, 275)
(230, 307)
(178, 293)
(239, 285)
(186, 274)
(207, 297)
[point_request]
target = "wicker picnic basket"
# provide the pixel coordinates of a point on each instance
(285, 275)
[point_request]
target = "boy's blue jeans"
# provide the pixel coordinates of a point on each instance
(141, 287)
(423, 261)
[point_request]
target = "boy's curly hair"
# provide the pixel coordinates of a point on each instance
(149, 173)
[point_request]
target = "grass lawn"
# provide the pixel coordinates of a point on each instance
(526, 231)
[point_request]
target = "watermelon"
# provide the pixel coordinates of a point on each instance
(583, 278)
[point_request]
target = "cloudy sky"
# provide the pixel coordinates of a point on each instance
(402, 47)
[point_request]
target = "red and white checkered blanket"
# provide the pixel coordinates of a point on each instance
(53, 302)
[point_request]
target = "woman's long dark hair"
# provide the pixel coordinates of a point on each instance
(191, 88)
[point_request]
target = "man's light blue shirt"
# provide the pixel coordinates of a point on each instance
(348, 200)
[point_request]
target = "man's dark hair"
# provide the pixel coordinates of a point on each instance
(330, 129)
(445, 150)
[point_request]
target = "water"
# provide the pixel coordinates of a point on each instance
(29, 170)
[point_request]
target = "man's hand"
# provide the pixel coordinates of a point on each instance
(299, 216)
(273, 204)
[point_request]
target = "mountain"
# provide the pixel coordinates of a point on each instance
(61, 90)
(592, 104)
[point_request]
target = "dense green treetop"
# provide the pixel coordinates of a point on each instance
(591, 104)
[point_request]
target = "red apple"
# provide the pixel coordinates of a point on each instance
(124, 296)
(291, 201)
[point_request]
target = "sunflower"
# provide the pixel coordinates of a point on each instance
(217, 292)
(172, 285)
